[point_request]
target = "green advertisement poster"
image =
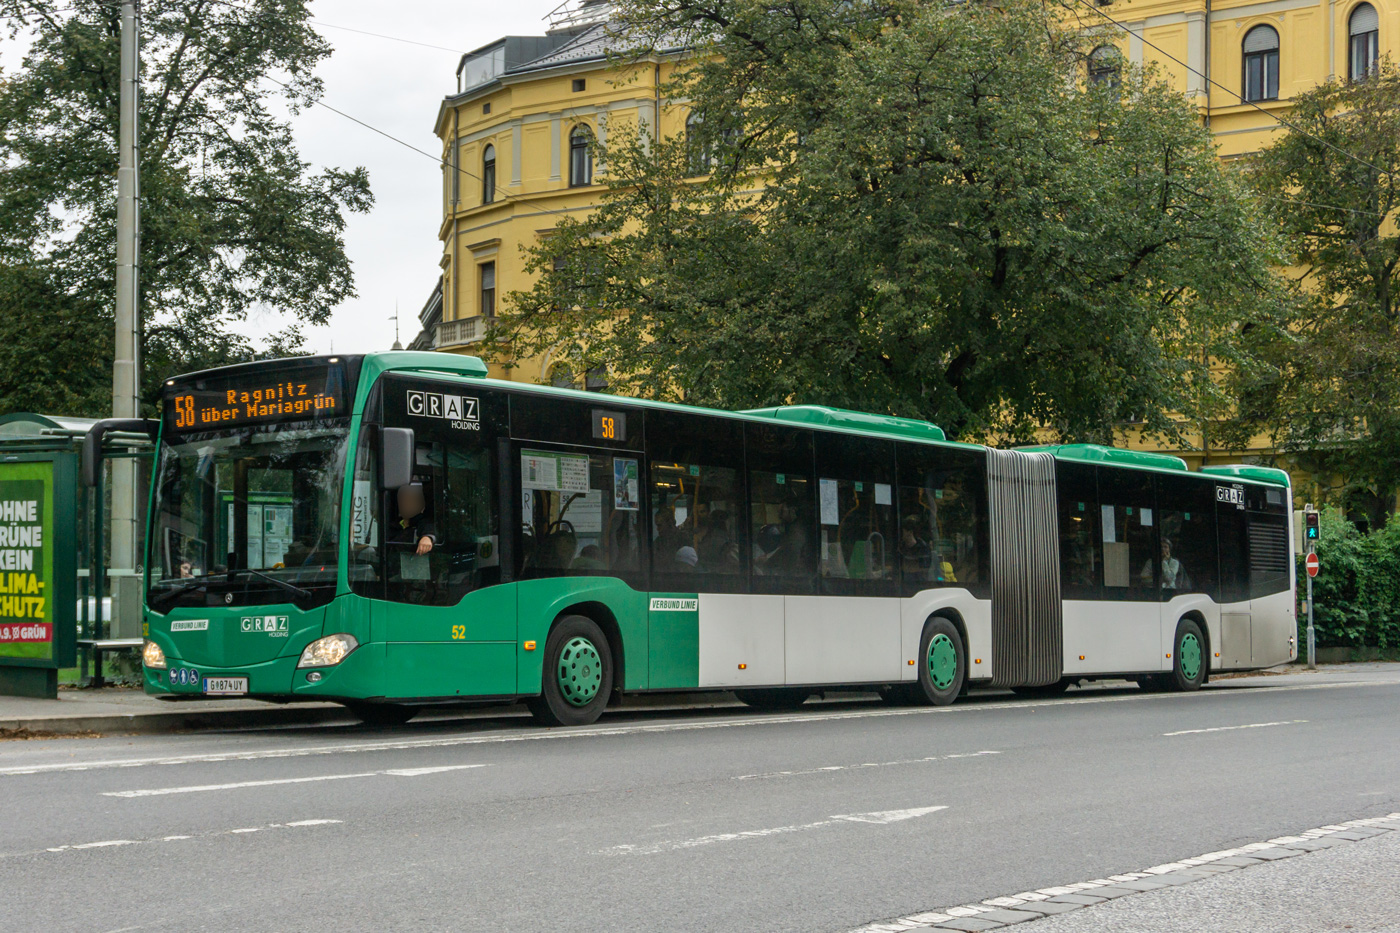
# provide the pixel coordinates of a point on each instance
(27, 546)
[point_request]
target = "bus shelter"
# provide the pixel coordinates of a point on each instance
(61, 606)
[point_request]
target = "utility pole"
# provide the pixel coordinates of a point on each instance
(126, 369)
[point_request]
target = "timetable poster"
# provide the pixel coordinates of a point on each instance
(26, 560)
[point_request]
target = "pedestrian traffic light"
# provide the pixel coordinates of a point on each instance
(1313, 527)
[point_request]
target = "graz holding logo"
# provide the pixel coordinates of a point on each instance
(1233, 495)
(460, 410)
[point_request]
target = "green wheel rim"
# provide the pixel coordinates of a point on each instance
(580, 671)
(1190, 655)
(942, 661)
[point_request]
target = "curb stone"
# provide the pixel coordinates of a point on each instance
(993, 913)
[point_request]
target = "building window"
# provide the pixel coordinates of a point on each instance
(486, 108)
(579, 84)
(580, 157)
(1106, 66)
(697, 153)
(1261, 64)
(1364, 50)
(488, 175)
(562, 377)
(596, 379)
(488, 289)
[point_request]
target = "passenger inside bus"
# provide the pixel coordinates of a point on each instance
(1174, 576)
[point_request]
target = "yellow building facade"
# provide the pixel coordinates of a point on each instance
(516, 129)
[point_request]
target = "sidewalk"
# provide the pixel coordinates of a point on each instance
(122, 710)
(126, 710)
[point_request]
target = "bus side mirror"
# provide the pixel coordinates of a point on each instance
(90, 460)
(395, 457)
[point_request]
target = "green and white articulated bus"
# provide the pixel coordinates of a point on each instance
(395, 530)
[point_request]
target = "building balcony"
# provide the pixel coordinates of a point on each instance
(461, 332)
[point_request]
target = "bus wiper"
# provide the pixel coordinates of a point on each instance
(292, 588)
(188, 586)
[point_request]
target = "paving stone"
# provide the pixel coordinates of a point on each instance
(1241, 860)
(1274, 854)
(1003, 915)
(1051, 907)
(1142, 884)
(1078, 899)
(968, 923)
(1114, 890)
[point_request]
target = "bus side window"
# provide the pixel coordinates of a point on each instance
(1128, 532)
(782, 509)
(1188, 545)
(942, 538)
(1081, 555)
(697, 537)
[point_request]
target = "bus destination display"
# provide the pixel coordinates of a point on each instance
(257, 401)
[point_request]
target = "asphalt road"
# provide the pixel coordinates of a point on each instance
(688, 820)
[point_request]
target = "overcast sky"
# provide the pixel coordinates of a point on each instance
(396, 87)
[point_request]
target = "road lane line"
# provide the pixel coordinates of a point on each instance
(993, 910)
(239, 785)
(535, 734)
(828, 769)
(878, 817)
(109, 843)
(1251, 725)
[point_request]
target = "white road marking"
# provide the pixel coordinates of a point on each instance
(530, 734)
(109, 843)
(1252, 725)
(1388, 823)
(868, 764)
(201, 788)
(879, 817)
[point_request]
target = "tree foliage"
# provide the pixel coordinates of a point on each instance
(1330, 393)
(233, 222)
(911, 208)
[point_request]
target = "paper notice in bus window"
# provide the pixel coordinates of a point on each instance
(626, 489)
(1110, 531)
(1145, 516)
(539, 471)
(882, 494)
(573, 474)
(831, 510)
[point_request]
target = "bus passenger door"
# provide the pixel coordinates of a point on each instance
(449, 627)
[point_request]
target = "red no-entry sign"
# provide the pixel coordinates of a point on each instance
(1312, 564)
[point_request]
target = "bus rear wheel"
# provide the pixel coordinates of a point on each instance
(1188, 657)
(773, 698)
(943, 667)
(382, 714)
(578, 674)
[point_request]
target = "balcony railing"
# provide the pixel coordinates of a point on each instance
(461, 331)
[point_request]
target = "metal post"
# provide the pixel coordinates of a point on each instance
(126, 381)
(1309, 547)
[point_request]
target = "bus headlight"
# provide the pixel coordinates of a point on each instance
(328, 651)
(152, 656)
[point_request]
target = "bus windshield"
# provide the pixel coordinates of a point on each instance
(248, 516)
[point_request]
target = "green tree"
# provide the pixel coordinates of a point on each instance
(232, 220)
(1330, 394)
(911, 208)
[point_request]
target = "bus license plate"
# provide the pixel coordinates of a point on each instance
(226, 686)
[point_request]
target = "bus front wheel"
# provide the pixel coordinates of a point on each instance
(943, 662)
(578, 674)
